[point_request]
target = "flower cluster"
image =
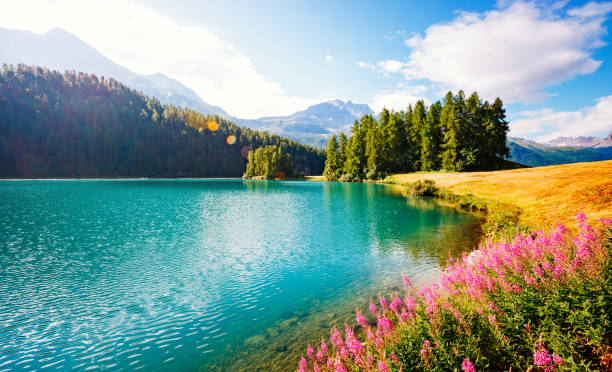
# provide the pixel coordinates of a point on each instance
(480, 297)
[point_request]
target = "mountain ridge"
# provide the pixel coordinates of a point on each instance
(58, 49)
(581, 141)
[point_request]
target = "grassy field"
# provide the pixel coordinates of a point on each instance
(545, 195)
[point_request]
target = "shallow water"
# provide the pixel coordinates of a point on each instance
(202, 274)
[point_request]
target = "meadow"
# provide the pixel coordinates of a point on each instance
(546, 196)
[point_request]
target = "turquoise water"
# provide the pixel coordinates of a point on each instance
(202, 274)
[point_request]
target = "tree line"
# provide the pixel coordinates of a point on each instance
(457, 135)
(73, 124)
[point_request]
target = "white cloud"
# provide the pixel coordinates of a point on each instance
(398, 98)
(329, 58)
(391, 65)
(147, 42)
(366, 65)
(514, 52)
(592, 9)
(546, 124)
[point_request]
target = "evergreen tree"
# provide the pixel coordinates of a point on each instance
(342, 143)
(333, 164)
(417, 121)
(450, 153)
(431, 139)
(356, 152)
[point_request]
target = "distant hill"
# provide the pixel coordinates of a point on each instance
(61, 50)
(314, 125)
(582, 141)
(79, 125)
(535, 154)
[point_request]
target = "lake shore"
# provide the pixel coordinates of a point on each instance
(546, 196)
(540, 273)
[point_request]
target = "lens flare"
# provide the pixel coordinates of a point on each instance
(245, 151)
(212, 125)
(231, 139)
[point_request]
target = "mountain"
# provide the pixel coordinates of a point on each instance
(595, 142)
(535, 154)
(78, 125)
(314, 125)
(61, 50)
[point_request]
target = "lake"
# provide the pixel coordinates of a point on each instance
(203, 274)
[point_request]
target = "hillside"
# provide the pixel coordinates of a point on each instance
(545, 195)
(535, 154)
(61, 50)
(79, 125)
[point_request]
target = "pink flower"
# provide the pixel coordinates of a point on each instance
(581, 217)
(467, 366)
(320, 356)
(385, 324)
(303, 364)
(605, 221)
(393, 357)
(383, 302)
(369, 359)
(361, 320)
(541, 357)
(426, 350)
(396, 304)
(382, 366)
(310, 351)
(372, 307)
(557, 359)
(324, 348)
(339, 366)
(493, 320)
(410, 303)
(408, 283)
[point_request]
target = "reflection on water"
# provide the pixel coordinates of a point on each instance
(202, 274)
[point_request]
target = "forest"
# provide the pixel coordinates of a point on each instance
(75, 124)
(457, 135)
(269, 162)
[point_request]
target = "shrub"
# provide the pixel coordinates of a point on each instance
(347, 177)
(539, 302)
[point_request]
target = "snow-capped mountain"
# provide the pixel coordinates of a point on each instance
(581, 141)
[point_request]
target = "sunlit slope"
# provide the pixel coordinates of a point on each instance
(546, 195)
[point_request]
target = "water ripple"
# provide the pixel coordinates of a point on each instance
(191, 274)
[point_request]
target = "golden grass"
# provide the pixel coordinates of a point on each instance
(546, 195)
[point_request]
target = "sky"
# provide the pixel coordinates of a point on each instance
(549, 61)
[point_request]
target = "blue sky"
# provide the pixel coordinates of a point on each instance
(549, 61)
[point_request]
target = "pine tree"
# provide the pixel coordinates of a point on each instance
(450, 153)
(499, 131)
(342, 143)
(417, 121)
(333, 163)
(431, 139)
(355, 152)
